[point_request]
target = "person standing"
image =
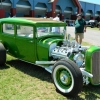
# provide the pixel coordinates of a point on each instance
(80, 28)
(14, 16)
(57, 17)
(56, 29)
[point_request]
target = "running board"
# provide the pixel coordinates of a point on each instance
(44, 62)
(49, 69)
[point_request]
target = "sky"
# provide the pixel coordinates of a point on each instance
(92, 1)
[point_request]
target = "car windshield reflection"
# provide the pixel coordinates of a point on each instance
(43, 31)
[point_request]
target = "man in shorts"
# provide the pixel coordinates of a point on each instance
(80, 28)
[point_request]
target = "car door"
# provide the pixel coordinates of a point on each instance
(25, 43)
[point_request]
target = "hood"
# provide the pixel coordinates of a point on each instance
(44, 44)
(48, 41)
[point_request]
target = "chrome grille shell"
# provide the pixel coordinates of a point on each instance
(95, 70)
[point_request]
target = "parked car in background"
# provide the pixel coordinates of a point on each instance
(32, 40)
(99, 25)
(92, 23)
(70, 22)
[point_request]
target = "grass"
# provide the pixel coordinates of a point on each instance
(24, 81)
(86, 44)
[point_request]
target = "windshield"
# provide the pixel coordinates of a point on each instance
(43, 31)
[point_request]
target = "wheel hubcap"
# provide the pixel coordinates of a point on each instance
(65, 78)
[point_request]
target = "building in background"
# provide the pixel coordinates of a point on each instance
(41, 8)
(90, 10)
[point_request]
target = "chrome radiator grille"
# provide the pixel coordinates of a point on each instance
(96, 68)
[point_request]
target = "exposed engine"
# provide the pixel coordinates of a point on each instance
(70, 49)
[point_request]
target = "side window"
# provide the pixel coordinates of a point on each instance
(8, 28)
(25, 31)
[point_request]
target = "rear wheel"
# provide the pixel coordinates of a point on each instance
(2, 54)
(67, 77)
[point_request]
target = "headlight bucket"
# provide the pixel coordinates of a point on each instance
(79, 59)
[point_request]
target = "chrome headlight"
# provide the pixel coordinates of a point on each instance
(79, 59)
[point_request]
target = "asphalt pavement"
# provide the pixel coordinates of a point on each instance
(90, 36)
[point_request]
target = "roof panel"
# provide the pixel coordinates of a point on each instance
(30, 19)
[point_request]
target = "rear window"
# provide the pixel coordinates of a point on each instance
(8, 28)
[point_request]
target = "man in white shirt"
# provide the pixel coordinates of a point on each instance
(14, 16)
(57, 18)
(56, 29)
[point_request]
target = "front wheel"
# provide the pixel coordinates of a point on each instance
(67, 77)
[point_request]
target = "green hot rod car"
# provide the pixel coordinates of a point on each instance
(45, 42)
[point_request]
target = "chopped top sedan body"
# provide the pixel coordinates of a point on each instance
(45, 42)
